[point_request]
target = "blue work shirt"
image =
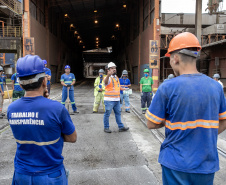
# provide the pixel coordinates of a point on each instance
(191, 106)
(124, 83)
(48, 72)
(67, 79)
(3, 77)
(16, 83)
(1, 83)
(37, 124)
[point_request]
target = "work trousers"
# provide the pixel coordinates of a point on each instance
(17, 94)
(174, 177)
(48, 87)
(115, 105)
(1, 103)
(71, 97)
(99, 98)
(125, 97)
(146, 98)
(56, 178)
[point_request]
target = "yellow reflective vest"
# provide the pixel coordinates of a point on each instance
(96, 85)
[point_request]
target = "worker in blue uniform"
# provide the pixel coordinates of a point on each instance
(48, 74)
(40, 127)
(4, 78)
(125, 83)
(68, 81)
(1, 93)
(192, 108)
(18, 92)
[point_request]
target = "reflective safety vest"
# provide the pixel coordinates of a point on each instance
(113, 89)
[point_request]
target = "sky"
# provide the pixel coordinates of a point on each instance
(185, 6)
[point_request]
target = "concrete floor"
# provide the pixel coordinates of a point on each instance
(97, 157)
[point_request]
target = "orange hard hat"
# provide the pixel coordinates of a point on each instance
(182, 41)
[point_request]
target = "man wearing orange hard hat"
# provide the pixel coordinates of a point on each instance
(192, 109)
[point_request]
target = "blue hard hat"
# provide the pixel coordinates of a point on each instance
(29, 65)
(45, 62)
(67, 67)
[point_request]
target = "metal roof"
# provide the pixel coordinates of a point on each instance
(214, 43)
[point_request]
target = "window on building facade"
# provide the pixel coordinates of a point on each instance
(33, 9)
(136, 22)
(145, 13)
(152, 11)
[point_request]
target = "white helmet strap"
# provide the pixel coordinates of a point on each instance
(33, 80)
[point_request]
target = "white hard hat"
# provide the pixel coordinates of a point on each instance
(216, 76)
(125, 72)
(170, 76)
(101, 71)
(1, 69)
(111, 64)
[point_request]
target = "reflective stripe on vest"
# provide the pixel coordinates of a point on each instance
(113, 89)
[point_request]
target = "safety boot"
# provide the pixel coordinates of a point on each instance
(123, 129)
(107, 130)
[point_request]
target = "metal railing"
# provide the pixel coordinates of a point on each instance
(13, 5)
(10, 31)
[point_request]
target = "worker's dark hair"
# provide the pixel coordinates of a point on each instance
(34, 86)
(185, 58)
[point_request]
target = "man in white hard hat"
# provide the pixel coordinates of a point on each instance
(125, 83)
(112, 98)
(170, 76)
(216, 77)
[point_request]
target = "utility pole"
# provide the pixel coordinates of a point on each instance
(198, 20)
(156, 31)
(26, 22)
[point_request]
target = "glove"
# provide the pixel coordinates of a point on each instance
(68, 85)
(141, 94)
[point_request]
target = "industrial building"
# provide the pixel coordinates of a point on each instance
(77, 32)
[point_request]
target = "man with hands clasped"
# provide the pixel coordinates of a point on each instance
(68, 80)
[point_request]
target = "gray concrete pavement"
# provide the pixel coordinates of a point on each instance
(97, 157)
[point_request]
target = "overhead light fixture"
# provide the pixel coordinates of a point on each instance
(97, 42)
(3, 7)
(78, 37)
(76, 32)
(96, 21)
(84, 47)
(124, 5)
(95, 11)
(117, 25)
(66, 17)
(80, 41)
(72, 27)
(97, 38)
